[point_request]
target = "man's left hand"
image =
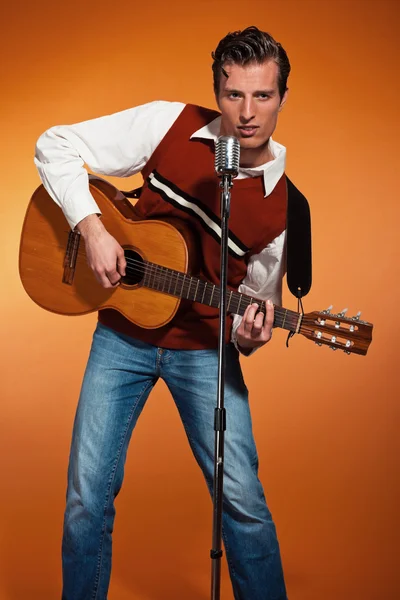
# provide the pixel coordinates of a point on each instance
(255, 330)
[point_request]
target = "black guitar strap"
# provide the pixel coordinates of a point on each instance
(298, 240)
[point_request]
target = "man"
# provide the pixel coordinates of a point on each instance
(173, 146)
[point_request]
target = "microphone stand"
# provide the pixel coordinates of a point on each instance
(220, 413)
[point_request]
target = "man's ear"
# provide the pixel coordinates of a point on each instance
(284, 98)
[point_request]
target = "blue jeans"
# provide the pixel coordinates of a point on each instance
(120, 374)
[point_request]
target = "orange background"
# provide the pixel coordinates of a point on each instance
(325, 423)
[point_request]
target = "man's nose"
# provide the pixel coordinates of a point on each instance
(247, 110)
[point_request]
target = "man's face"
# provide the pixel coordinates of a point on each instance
(249, 103)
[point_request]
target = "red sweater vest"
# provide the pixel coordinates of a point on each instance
(180, 182)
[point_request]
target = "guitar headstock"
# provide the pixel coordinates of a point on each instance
(337, 331)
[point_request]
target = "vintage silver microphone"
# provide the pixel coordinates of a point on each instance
(227, 156)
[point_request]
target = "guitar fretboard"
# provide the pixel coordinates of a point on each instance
(181, 285)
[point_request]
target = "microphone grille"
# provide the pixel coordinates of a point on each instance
(227, 156)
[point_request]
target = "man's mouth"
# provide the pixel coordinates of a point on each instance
(248, 130)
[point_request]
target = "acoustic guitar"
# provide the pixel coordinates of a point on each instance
(55, 273)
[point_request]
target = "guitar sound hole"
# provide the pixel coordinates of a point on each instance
(134, 268)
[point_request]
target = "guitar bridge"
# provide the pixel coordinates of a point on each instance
(70, 257)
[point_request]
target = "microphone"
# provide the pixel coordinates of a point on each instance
(227, 156)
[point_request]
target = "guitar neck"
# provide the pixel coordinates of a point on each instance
(182, 285)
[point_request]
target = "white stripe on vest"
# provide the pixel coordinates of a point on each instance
(186, 204)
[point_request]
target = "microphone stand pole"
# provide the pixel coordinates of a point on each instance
(220, 414)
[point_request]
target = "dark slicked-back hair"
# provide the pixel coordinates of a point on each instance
(247, 46)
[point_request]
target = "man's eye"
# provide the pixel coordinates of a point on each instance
(263, 96)
(234, 95)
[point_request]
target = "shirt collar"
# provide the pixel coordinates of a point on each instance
(272, 170)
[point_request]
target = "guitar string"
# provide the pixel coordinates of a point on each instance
(282, 316)
(157, 278)
(291, 317)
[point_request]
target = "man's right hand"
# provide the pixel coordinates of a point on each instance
(104, 255)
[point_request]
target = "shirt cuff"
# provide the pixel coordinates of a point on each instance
(81, 207)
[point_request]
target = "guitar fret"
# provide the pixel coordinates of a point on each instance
(217, 299)
(183, 284)
(159, 277)
(229, 301)
(180, 287)
(240, 300)
(176, 283)
(284, 318)
(170, 281)
(152, 271)
(156, 280)
(163, 278)
(204, 291)
(190, 283)
(212, 294)
(197, 287)
(235, 302)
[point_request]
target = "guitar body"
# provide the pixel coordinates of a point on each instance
(53, 266)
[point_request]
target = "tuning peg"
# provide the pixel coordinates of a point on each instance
(357, 317)
(344, 311)
(333, 347)
(328, 310)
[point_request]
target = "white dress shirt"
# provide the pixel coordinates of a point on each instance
(120, 145)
